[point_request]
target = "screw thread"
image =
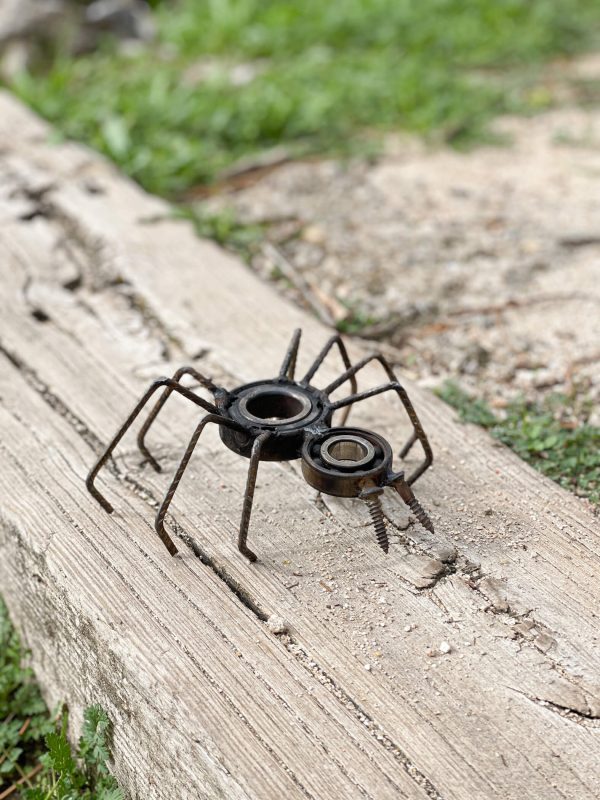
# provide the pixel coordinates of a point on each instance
(377, 518)
(420, 513)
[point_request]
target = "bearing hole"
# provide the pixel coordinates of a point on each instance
(274, 406)
(347, 450)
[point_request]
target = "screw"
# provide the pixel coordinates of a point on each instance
(420, 513)
(376, 511)
(406, 493)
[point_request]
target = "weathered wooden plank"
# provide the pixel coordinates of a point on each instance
(182, 671)
(511, 711)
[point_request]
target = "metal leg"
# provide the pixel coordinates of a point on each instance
(202, 380)
(249, 495)
(393, 385)
(288, 367)
(174, 386)
(336, 339)
(162, 511)
(408, 446)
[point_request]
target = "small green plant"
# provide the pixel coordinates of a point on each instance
(224, 228)
(470, 409)
(24, 719)
(36, 761)
(86, 776)
(542, 434)
(355, 323)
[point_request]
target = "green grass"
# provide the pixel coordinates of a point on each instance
(34, 751)
(224, 228)
(356, 322)
(543, 434)
(330, 77)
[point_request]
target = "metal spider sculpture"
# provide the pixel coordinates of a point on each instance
(283, 419)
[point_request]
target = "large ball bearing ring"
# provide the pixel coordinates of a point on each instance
(280, 408)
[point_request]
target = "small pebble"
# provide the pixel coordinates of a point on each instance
(277, 625)
(445, 648)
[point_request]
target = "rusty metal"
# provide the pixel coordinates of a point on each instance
(282, 419)
(377, 518)
(353, 462)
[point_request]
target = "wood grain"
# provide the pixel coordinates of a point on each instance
(102, 291)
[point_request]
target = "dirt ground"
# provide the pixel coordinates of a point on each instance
(483, 267)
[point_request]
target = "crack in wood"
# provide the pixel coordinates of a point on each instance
(529, 631)
(366, 720)
(93, 266)
(564, 710)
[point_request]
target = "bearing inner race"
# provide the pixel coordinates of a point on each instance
(274, 406)
(347, 452)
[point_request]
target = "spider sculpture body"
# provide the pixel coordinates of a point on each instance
(287, 418)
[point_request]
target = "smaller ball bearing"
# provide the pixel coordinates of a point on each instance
(343, 461)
